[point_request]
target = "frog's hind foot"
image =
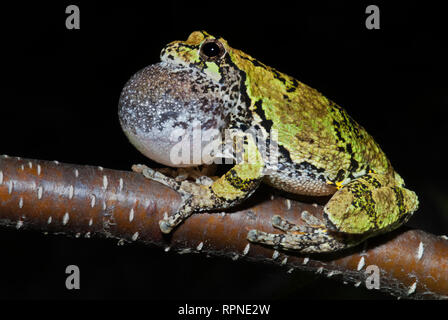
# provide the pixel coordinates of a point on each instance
(312, 237)
(311, 222)
(284, 225)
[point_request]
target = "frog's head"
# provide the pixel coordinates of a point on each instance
(201, 51)
(193, 87)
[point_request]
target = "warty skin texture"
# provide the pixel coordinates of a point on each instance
(322, 150)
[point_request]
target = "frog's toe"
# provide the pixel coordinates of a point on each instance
(278, 222)
(284, 225)
(168, 223)
(165, 226)
(272, 239)
(156, 176)
(311, 223)
(252, 235)
(311, 220)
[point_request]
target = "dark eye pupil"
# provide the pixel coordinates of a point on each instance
(210, 49)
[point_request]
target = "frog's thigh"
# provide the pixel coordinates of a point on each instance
(371, 203)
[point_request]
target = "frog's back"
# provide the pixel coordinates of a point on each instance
(316, 130)
(313, 131)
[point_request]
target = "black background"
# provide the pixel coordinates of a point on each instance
(59, 102)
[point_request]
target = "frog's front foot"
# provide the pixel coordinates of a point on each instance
(156, 176)
(168, 223)
(311, 237)
(194, 195)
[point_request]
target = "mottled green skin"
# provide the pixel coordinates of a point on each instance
(324, 150)
(310, 126)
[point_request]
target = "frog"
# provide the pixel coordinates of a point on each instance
(320, 149)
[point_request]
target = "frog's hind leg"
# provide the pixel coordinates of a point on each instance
(371, 204)
(365, 207)
(310, 238)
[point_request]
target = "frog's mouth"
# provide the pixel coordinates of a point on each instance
(171, 114)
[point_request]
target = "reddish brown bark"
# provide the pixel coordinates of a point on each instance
(91, 201)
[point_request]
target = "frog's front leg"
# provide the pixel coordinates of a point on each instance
(369, 205)
(227, 191)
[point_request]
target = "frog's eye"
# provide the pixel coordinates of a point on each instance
(212, 50)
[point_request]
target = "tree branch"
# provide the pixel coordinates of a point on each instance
(86, 201)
